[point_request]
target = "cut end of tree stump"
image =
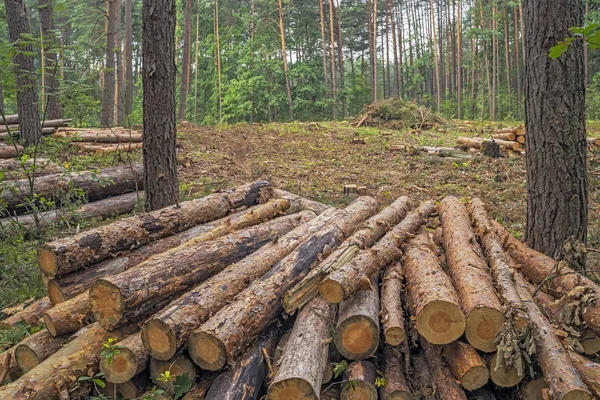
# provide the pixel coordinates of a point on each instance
(590, 343)
(394, 336)
(505, 376)
(122, 368)
(177, 366)
(483, 324)
(125, 390)
(106, 303)
(441, 322)
(532, 390)
(55, 293)
(49, 324)
(292, 389)
(207, 351)
(475, 378)
(577, 394)
(48, 261)
(331, 291)
(357, 337)
(26, 358)
(159, 339)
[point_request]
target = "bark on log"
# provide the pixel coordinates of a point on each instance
(360, 377)
(511, 136)
(589, 371)
(177, 366)
(356, 334)
(70, 254)
(122, 178)
(345, 281)
(441, 374)
(10, 151)
(60, 372)
(69, 316)
(9, 369)
(223, 336)
(126, 390)
(503, 375)
(392, 315)
(30, 315)
(126, 296)
(471, 276)
(36, 348)
(532, 390)
(102, 137)
(420, 377)
(15, 169)
(476, 143)
(200, 389)
(67, 286)
(131, 360)
(435, 304)
(168, 331)
(51, 123)
(299, 203)
(369, 233)
(593, 141)
(108, 148)
(538, 268)
(12, 119)
(466, 365)
(45, 132)
(562, 377)
(396, 387)
(300, 371)
(243, 381)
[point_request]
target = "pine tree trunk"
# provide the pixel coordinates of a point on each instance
(589, 371)
(288, 86)
(128, 58)
(323, 43)
(185, 59)
(108, 97)
(52, 110)
(120, 89)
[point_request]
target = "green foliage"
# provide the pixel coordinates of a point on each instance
(340, 368)
(110, 350)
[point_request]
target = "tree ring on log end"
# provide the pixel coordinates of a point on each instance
(122, 368)
(106, 303)
(505, 376)
(47, 261)
(159, 339)
(357, 337)
(394, 336)
(358, 390)
(331, 291)
(55, 293)
(292, 389)
(441, 322)
(577, 394)
(475, 377)
(49, 323)
(26, 358)
(207, 351)
(124, 390)
(177, 366)
(483, 324)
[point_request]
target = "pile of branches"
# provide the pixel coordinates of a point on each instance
(396, 113)
(256, 292)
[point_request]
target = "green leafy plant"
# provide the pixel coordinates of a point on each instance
(590, 34)
(380, 382)
(340, 368)
(110, 350)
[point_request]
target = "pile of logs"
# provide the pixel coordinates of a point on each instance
(11, 126)
(102, 141)
(254, 292)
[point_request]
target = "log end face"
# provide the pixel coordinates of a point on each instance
(55, 293)
(177, 366)
(475, 378)
(159, 339)
(357, 338)
(395, 336)
(26, 358)
(49, 323)
(122, 368)
(577, 394)
(207, 351)
(106, 303)
(331, 291)
(359, 390)
(292, 389)
(441, 322)
(48, 261)
(483, 324)
(590, 343)
(505, 376)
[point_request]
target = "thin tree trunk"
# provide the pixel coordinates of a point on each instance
(185, 60)
(332, 60)
(285, 63)
(435, 58)
(323, 43)
(218, 39)
(494, 62)
(128, 57)
(395, 44)
(459, 84)
(50, 60)
(340, 55)
(108, 98)
(196, 62)
(120, 91)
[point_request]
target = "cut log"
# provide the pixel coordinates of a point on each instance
(356, 334)
(421, 379)
(70, 285)
(100, 137)
(441, 374)
(520, 139)
(223, 336)
(589, 371)
(563, 379)
(505, 136)
(70, 254)
(371, 231)
(122, 179)
(9, 119)
(13, 120)
(300, 370)
(345, 281)
(500, 265)
(125, 296)
(169, 330)
(539, 268)
(131, 360)
(178, 366)
(61, 371)
(243, 381)
(30, 315)
(15, 169)
(107, 148)
(126, 390)
(200, 389)
(69, 316)
(593, 141)
(435, 303)
(45, 132)
(475, 143)
(360, 380)
(36, 348)
(396, 386)
(532, 390)
(392, 315)
(331, 393)
(9, 369)
(10, 151)
(502, 374)
(466, 365)
(299, 203)
(471, 276)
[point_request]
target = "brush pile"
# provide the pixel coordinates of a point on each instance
(255, 292)
(395, 113)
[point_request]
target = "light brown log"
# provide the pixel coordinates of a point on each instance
(177, 366)
(505, 136)
(356, 334)
(589, 371)
(436, 306)
(520, 139)
(441, 374)
(466, 365)
(51, 123)
(538, 267)
(36, 348)
(73, 253)
(563, 379)
(345, 281)
(499, 263)
(67, 286)
(532, 390)
(61, 371)
(16, 169)
(12, 309)
(30, 315)
(502, 374)
(10, 151)
(101, 137)
(223, 336)
(108, 148)
(471, 276)
(300, 371)
(299, 203)
(169, 330)
(365, 237)
(69, 316)
(360, 380)
(593, 141)
(9, 369)
(396, 387)
(17, 133)
(392, 315)
(476, 143)
(125, 296)
(131, 360)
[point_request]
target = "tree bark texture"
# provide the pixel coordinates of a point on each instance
(8, 366)
(10, 151)
(360, 380)
(185, 60)
(441, 373)
(50, 45)
(36, 348)
(69, 316)
(392, 314)
(116, 136)
(128, 57)
(396, 387)
(30, 315)
(589, 371)
(299, 203)
(108, 94)
(466, 365)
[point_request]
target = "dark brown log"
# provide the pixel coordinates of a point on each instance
(332, 392)
(421, 378)
(471, 276)
(30, 315)
(441, 375)
(345, 281)
(9, 369)
(466, 365)
(223, 336)
(126, 296)
(108, 148)
(243, 381)
(371, 231)
(177, 366)
(392, 315)
(36, 348)
(102, 136)
(360, 380)
(169, 330)
(435, 304)
(70, 254)
(200, 389)
(10, 151)
(589, 371)
(396, 386)
(502, 374)
(300, 371)
(131, 360)
(299, 203)
(563, 379)
(356, 334)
